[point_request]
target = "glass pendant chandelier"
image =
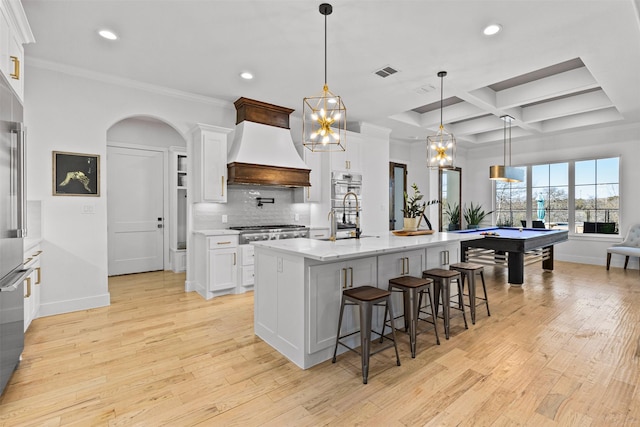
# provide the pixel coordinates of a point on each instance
(441, 147)
(505, 172)
(324, 116)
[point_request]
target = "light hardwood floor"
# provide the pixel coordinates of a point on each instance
(562, 350)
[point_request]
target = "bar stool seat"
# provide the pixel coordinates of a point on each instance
(413, 288)
(469, 270)
(442, 287)
(365, 297)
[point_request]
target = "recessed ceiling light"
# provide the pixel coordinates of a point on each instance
(492, 29)
(246, 75)
(108, 34)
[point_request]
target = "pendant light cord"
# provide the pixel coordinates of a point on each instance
(325, 50)
(441, 96)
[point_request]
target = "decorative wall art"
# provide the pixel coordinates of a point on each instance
(76, 174)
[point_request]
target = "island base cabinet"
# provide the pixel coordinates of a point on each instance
(279, 304)
(326, 283)
(410, 263)
(442, 257)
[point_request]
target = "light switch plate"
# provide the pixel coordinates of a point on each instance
(224, 219)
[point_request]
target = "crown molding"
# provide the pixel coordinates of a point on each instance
(123, 82)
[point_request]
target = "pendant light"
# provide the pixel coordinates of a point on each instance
(441, 147)
(506, 172)
(324, 116)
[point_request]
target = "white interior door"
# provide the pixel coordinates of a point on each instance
(135, 194)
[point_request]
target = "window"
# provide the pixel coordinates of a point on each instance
(582, 196)
(550, 194)
(597, 197)
(511, 203)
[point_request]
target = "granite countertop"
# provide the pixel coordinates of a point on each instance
(373, 244)
(221, 232)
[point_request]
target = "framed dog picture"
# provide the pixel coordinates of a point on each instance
(76, 174)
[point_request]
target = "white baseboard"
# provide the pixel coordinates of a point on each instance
(68, 306)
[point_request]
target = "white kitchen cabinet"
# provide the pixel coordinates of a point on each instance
(442, 257)
(314, 162)
(178, 209)
(246, 268)
(326, 283)
(32, 285)
(14, 32)
(409, 263)
(216, 264)
(209, 163)
(349, 160)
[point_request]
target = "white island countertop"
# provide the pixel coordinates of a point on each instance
(375, 244)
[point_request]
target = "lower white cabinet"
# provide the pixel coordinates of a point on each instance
(326, 283)
(409, 263)
(32, 285)
(246, 268)
(216, 264)
(442, 257)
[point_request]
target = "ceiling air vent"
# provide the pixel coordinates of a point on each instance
(385, 71)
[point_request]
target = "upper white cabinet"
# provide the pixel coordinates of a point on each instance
(14, 32)
(209, 163)
(350, 159)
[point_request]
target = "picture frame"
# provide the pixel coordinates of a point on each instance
(76, 174)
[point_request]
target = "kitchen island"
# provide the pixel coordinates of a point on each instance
(299, 283)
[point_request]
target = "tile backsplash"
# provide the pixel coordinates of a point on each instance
(242, 209)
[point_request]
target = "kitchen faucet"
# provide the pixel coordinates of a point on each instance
(332, 225)
(344, 211)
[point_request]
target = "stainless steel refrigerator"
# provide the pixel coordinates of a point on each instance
(12, 231)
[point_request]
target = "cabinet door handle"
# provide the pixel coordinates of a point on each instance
(27, 261)
(223, 243)
(444, 257)
(308, 192)
(36, 254)
(28, 279)
(234, 258)
(39, 275)
(222, 185)
(351, 282)
(16, 68)
(407, 270)
(344, 278)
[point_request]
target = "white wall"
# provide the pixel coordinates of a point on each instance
(145, 131)
(68, 111)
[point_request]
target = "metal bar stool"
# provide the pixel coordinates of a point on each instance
(442, 286)
(412, 289)
(365, 297)
(469, 270)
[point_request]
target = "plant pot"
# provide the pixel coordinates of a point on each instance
(453, 226)
(473, 226)
(410, 224)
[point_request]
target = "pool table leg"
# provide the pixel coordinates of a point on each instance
(547, 264)
(516, 268)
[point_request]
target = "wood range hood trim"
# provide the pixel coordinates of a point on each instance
(243, 172)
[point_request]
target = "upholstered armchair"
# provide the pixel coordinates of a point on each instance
(629, 247)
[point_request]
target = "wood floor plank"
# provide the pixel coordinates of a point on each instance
(562, 350)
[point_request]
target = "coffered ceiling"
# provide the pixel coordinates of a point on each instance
(556, 66)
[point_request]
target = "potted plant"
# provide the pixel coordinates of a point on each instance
(414, 208)
(453, 212)
(474, 215)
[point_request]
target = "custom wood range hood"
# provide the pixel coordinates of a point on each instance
(263, 152)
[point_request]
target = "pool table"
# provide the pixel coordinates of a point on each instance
(512, 247)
